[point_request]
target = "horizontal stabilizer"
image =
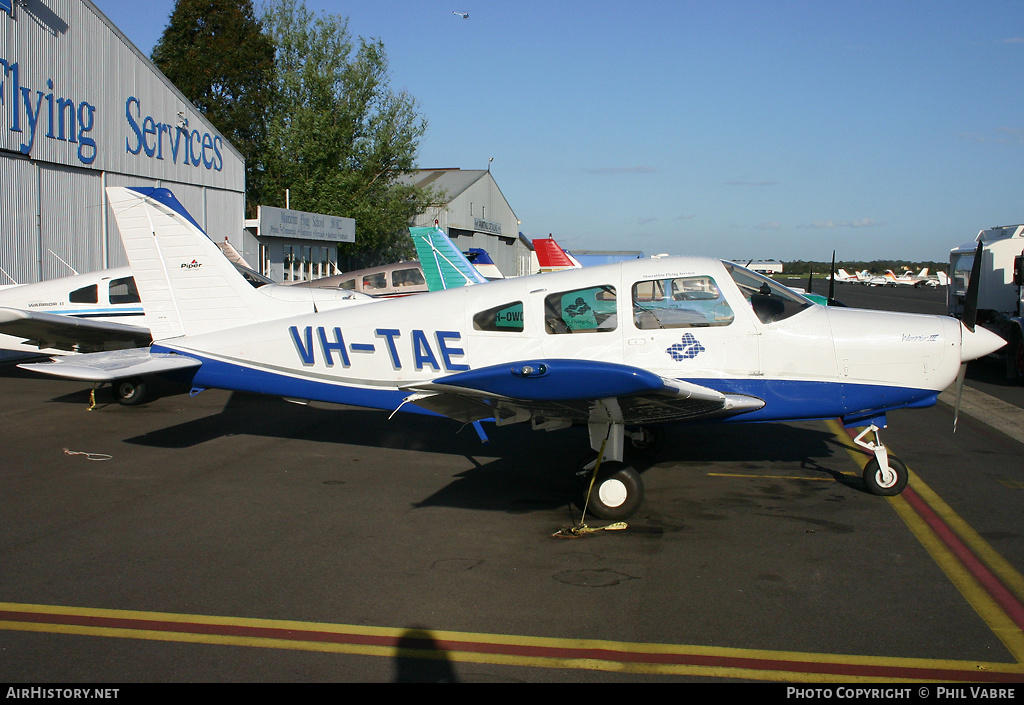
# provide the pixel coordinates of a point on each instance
(113, 365)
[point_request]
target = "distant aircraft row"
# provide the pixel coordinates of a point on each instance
(922, 278)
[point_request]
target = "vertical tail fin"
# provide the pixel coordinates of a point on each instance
(444, 265)
(186, 283)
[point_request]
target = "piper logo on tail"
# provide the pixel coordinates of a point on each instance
(191, 265)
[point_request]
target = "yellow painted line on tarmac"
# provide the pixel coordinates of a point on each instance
(757, 476)
(991, 586)
(472, 647)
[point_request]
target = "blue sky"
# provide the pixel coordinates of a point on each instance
(780, 129)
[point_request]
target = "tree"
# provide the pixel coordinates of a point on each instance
(338, 136)
(217, 55)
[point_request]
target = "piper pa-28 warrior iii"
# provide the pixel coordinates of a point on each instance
(618, 348)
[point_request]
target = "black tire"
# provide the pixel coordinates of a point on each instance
(886, 487)
(130, 392)
(616, 494)
(1016, 357)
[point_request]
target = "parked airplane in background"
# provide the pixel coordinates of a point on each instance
(551, 257)
(843, 276)
(440, 266)
(618, 348)
(908, 279)
(80, 313)
(102, 311)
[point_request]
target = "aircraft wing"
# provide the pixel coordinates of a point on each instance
(569, 390)
(112, 365)
(60, 332)
(444, 265)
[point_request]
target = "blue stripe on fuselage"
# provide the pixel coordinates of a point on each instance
(785, 400)
(215, 374)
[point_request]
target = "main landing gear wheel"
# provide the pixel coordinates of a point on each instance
(130, 391)
(1015, 358)
(617, 491)
(888, 482)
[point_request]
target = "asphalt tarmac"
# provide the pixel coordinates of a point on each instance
(229, 538)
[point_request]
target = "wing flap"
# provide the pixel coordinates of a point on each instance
(113, 365)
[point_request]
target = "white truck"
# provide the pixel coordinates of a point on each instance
(999, 291)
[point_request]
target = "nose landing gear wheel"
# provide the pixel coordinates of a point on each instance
(887, 483)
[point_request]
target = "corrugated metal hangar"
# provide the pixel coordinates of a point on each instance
(474, 213)
(81, 109)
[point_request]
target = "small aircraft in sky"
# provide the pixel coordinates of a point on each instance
(617, 348)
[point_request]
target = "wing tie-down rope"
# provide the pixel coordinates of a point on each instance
(582, 529)
(89, 456)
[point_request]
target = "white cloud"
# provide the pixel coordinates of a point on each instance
(827, 224)
(639, 169)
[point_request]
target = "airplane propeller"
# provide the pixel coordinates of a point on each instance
(969, 320)
(832, 279)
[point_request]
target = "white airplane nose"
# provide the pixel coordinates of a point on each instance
(980, 343)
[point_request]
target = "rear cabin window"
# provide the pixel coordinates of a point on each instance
(770, 300)
(375, 281)
(680, 302)
(506, 318)
(407, 277)
(123, 291)
(590, 310)
(85, 295)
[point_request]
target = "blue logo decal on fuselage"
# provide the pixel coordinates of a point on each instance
(688, 349)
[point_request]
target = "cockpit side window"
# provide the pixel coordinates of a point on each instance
(507, 318)
(680, 302)
(590, 310)
(770, 300)
(407, 277)
(85, 295)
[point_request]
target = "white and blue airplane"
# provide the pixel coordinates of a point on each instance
(618, 348)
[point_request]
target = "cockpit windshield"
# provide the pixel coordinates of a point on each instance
(770, 300)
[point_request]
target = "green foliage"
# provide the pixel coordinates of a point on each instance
(217, 55)
(338, 136)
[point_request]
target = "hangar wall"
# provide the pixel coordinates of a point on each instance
(81, 108)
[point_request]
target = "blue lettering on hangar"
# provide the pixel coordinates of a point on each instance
(54, 117)
(159, 140)
(428, 350)
(45, 113)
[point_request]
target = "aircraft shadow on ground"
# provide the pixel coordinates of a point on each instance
(518, 469)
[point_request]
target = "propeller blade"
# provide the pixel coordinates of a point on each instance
(832, 278)
(810, 282)
(970, 315)
(959, 393)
